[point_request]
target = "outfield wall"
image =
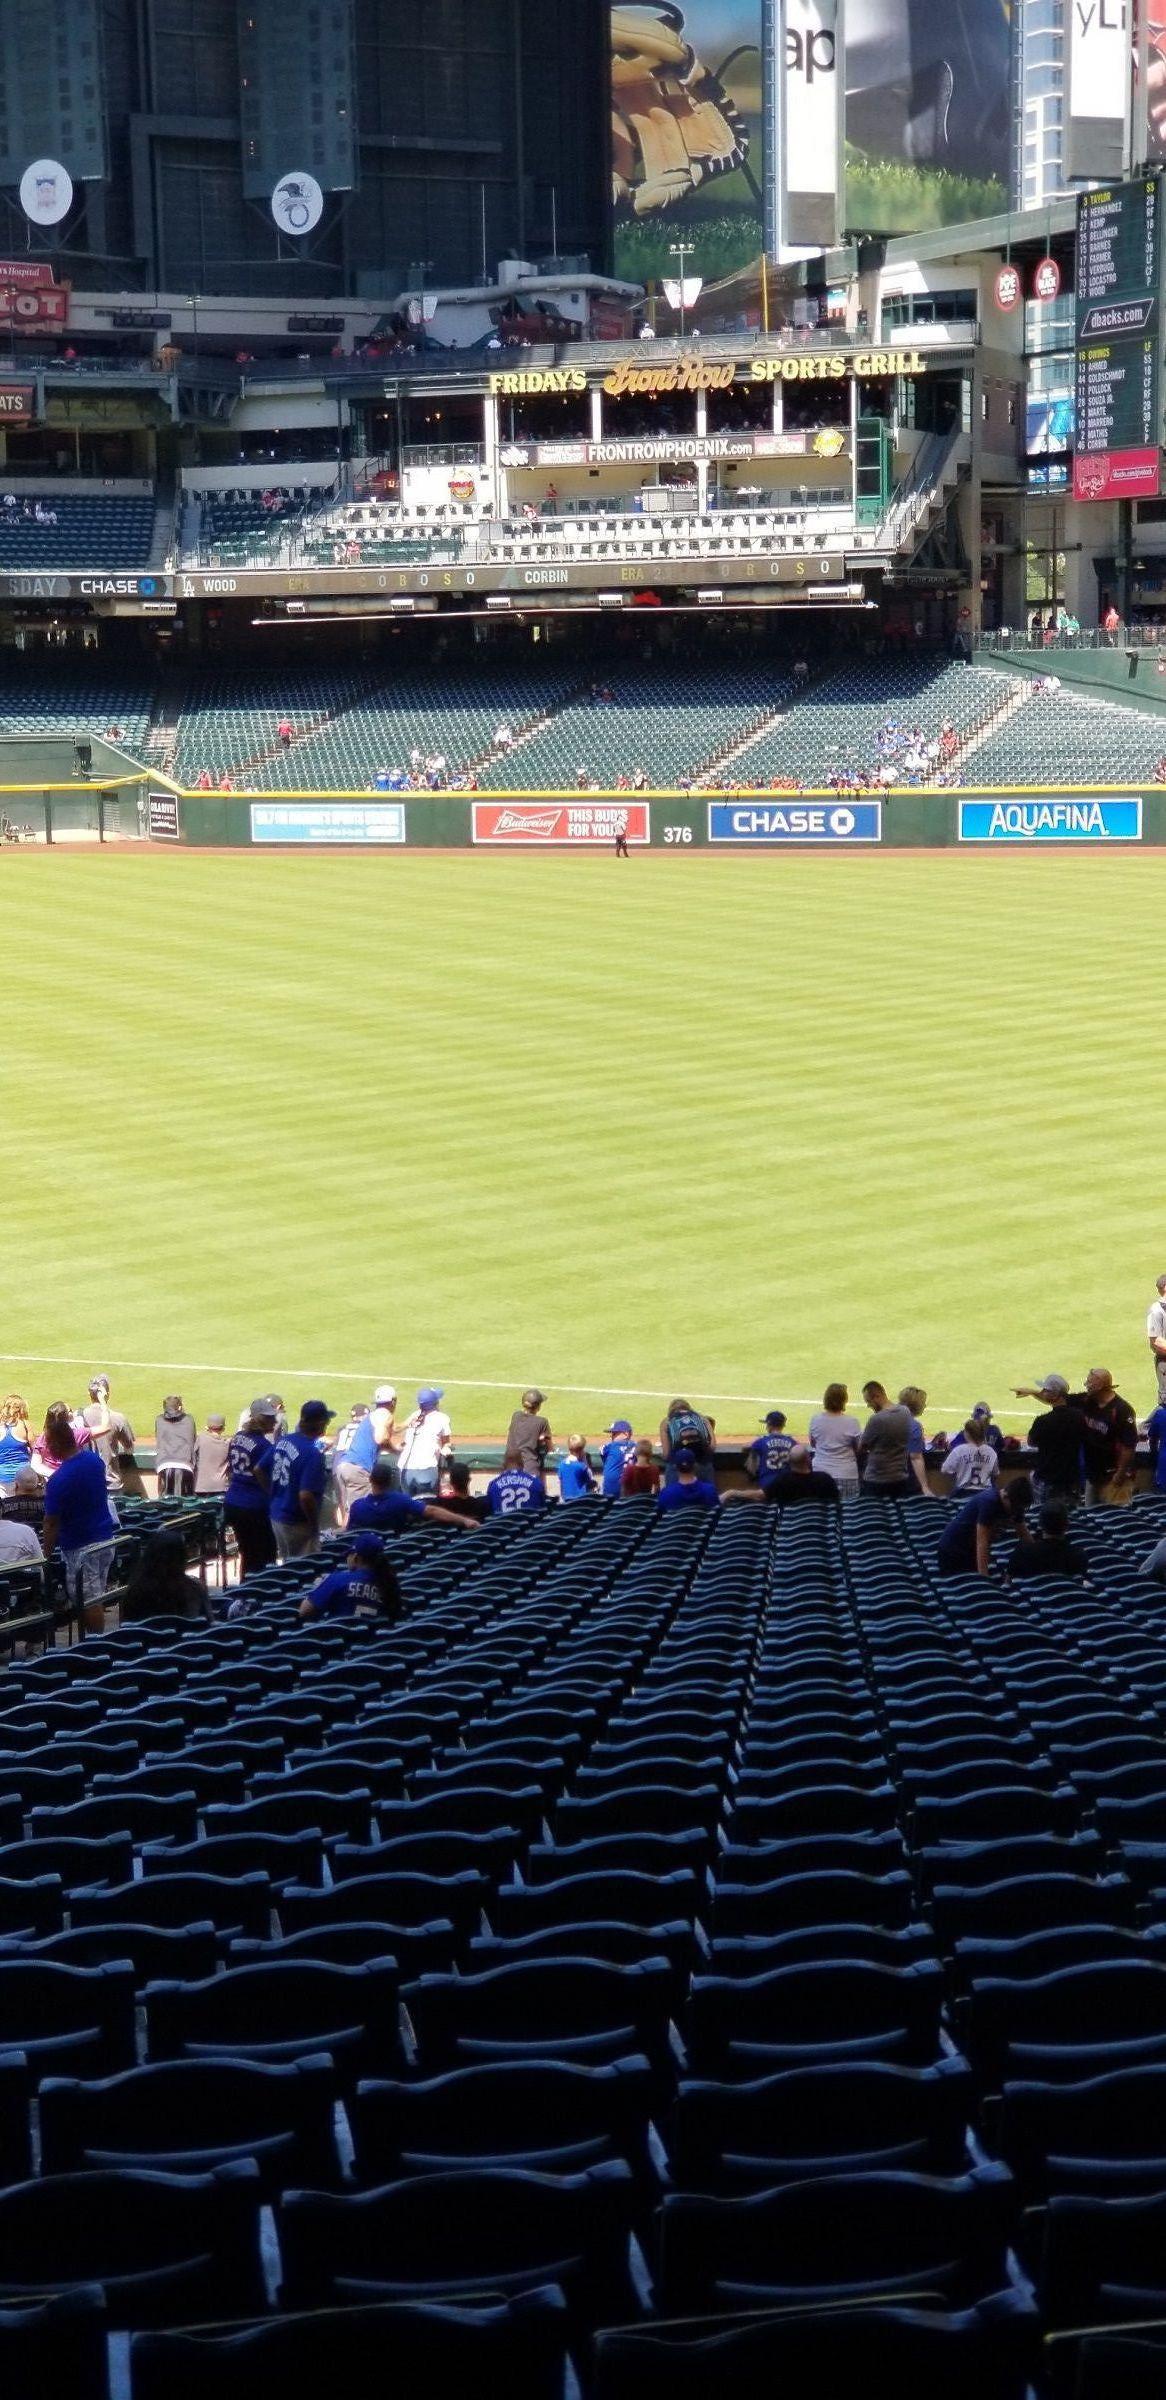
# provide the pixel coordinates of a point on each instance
(975, 818)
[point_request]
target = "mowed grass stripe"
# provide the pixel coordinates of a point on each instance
(735, 1122)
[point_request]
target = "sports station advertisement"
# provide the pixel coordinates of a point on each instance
(567, 824)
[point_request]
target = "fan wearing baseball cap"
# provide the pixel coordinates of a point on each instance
(1058, 1439)
(375, 1437)
(245, 1504)
(769, 1455)
(615, 1455)
(298, 1476)
(428, 1439)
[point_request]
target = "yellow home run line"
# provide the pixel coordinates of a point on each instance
(452, 1383)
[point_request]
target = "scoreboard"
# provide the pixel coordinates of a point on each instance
(1119, 263)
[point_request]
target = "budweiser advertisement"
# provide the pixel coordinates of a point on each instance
(561, 824)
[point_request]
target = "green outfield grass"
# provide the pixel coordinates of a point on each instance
(726, 1125)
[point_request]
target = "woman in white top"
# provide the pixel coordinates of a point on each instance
(834, 1440)
(427, 1441)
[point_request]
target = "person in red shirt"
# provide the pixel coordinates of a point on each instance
(285, 730)
(643, 1475)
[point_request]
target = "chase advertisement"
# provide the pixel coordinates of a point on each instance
(795, 821)
(1087, 817)
(927, 121)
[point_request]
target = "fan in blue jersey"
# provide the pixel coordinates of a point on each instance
(366, 1586)
(615, 1455)
(514, 1492)
(769, 1455)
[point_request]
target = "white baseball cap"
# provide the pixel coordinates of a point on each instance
(384, 1395)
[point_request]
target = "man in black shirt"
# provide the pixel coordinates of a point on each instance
(1049, 1552)
(799, 1481)
(1058, 1439)
(1111, 1438)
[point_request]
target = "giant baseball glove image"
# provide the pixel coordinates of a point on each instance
(674, 126)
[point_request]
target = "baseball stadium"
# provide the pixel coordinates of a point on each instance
(582, 675)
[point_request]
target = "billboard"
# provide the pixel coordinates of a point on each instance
(1119, 265)
(928, 112)
(331, 821)
(567, 824)
(1087, 817)
(795, 821)
(1098, 65)
(810, 138)
(162, 817)
(686, 137)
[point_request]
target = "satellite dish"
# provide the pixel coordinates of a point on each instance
(46, 191)
(297, 204)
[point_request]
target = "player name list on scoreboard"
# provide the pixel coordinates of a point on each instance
(1117, 378)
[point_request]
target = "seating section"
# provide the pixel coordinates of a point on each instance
(1062, 737)
(90, 530)
(245, 528)
(72, 699)
(451, 713)
(718, 1954)
(836, 725)
(670, 722)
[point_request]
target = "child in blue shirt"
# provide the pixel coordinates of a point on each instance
(576, 1478)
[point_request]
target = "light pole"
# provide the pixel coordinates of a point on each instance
(681, 250)
(421, 267)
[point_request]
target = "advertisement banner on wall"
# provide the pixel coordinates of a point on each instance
(568, 824)
(329, 821)
(162, 817)
(1098, 65)
(795, 821)
(810, 139)
(928, 112)
(31, 300)
(1086, 817)
(686, 136)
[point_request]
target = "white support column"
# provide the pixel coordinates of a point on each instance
(597, 412)
(490, 476)
(779, 406)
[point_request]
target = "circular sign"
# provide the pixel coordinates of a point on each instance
(842, 822)
(1046, 282)
(46, 191)
(1007, 287)
(297, 204)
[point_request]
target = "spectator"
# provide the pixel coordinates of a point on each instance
(615, 1455)
(770, 1454)
(503, 739)
(160, 1585)
(226, 783)
(1155, 1428)
(15, 1440)
(385, 1508)
(111, 1434)
(884, 1450)
(914, 1399)
(373, 1437)
(987, 1429)
(250, 1452)
(285, 730)
(834, 1440)
(365, 1586)
(516, 1488)
(1058, 1439)
(211, 1453)
(81, 1518)
(688, 1488)
(798, 1481)
(471, 1508)
(19, 1545)
(529, 1434)
(576, 1474)
(965, 1545)
(58, 1414)
(1048, 1552)
(175, 1437)
(1155, 1325)
(298, 1478)
(25, 1504)
(1111, 624)
(427, 1439)
(1109, 1449)
(641, 1475)
(685, 1429)
(971, 1464)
